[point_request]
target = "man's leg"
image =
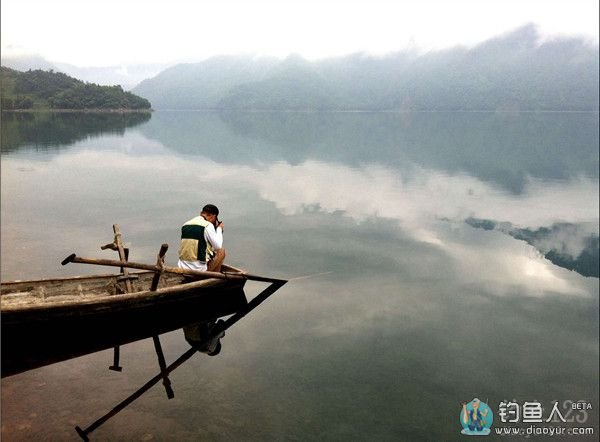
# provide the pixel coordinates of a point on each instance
(214, 265)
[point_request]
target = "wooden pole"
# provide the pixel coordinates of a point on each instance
(197, 273)
(160, 259)
(163, 367)
(122, 257)
(116, 355)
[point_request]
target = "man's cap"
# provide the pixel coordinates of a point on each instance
(211, 209)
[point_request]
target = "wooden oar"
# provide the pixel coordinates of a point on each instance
(197, 273)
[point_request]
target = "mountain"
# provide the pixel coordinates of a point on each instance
(512, 72)
(40, 90)
(125, 75)
(203, 85)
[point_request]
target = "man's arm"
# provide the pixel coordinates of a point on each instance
(214, 236)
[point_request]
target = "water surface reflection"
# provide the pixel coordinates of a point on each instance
(49, 130)
(417, 308)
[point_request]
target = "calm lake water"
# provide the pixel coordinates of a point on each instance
(453, 256)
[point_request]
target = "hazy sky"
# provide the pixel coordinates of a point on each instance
(103, 32)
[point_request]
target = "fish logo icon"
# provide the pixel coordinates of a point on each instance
(476, 418)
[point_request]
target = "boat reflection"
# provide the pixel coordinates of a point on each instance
(203, 336)
(203, 327)
(42, 342)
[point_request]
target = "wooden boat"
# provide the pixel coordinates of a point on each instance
(50, 320)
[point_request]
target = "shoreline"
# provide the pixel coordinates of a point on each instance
(89, 111)
(300, 111)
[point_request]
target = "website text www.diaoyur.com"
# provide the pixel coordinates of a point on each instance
(534, 430)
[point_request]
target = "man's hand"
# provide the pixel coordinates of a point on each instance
(221, 225)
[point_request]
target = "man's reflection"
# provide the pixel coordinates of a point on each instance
(204, 336)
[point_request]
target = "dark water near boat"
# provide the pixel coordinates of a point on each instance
(453, 256)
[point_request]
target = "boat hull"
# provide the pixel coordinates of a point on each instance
(34, 335)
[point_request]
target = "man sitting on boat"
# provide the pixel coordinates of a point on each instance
(201, 246)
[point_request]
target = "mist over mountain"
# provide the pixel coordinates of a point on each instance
(512, 72)
(26, 62)
(127, 76)
(204, 85)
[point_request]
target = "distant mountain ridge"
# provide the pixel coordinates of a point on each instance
(512, 72)
(203, 85)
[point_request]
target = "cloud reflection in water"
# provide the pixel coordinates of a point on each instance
(427, 206)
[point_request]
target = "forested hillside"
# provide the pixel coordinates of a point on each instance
(38, 89)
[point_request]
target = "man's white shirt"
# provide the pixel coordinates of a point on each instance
(212, 236)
